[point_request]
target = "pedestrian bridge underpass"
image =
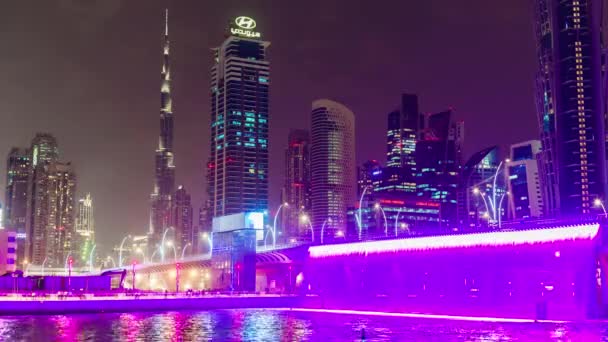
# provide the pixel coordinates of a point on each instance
(275, 268)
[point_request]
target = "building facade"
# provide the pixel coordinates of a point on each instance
(84, 232)
(525, 199)
(18, 166)
(164, 176)
(570, 104)
(369, 177)
(403, 131)
(43, 152)
(185, 233)
(237, 171)
(438, 165)
(51, 228)
(333, 165)
(297, 186)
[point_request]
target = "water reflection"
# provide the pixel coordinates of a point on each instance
(276, 325)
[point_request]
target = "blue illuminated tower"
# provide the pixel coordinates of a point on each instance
(237, 171)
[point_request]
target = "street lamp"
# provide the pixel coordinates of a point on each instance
(209, 239)
(67, 259)
(323, 227)
(143, 254)
(598, 203)
(377, 206)
(120, 249)
(397, 220)
(359, 218)
(109, 258)
(500, 208)
(274, 225)
(170, 244)
(184, 249)
(43, 263)
(306, 220)
(91, 258)
(162, 244)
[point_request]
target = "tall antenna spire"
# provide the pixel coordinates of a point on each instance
(166, 21)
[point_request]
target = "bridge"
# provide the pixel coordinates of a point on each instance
(275, 267)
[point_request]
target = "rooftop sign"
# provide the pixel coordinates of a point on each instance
(243, 27)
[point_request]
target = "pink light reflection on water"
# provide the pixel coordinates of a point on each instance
(67, 328)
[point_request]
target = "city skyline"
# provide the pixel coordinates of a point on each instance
(136, 163)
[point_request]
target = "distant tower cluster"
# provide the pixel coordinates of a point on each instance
(50, 200)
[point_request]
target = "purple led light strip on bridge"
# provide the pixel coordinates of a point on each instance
(523, 237)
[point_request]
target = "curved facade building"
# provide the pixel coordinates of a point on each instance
(333, 165)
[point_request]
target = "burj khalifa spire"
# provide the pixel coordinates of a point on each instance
(164, 180)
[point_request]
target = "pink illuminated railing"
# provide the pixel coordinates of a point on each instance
(522, 237)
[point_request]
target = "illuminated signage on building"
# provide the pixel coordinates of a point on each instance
(244, 27)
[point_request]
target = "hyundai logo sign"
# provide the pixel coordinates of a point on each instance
(245, 23)
(243, 27)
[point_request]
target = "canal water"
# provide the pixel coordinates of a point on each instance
(276, 325)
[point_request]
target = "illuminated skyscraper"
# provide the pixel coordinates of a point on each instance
(237, 171)
(333, 165)
(51, 213)
(404, 125)
(18, 166)
(438, 162)
(84, 237)
(164, 181)
(43, 151)
(570, 104)
(296, 189)
(526, 199)
(185, 234)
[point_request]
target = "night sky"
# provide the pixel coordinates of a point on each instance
(88, 71)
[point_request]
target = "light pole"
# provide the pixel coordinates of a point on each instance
(162, 244)
(500, 208)
(67, 259)
(359, 221)
(184, 249)
(109, 258)
(43, 262)
(306, 220)
(91, 258)
(209, 239)
(143, 254)
(120, 249)
(153, 254)
(323, 227)
(397, 221)
(598, 203)
(70, 262)
(133, 270)
(377, 206)
(170, 244)
(274, 225)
